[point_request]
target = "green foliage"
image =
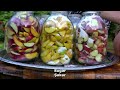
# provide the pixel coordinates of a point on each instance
(2, 35)
(39, 13)
(113, 29)
(1, 45)
(6, 15)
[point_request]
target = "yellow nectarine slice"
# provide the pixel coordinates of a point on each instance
(68, 45)
(25, 34)
(28, 44)
(32, 40)
(57, 36)
(45, 43)
(44, 53)
(28, 50)
(53, 38)
(27, 29)
(31, 55)
(55, 56)
(69, 53)
(62, 33)
(49, 45)
(34, 32)
(15, 28)
(17, 42)
(50, 29)
(36, 41)
(59, 44)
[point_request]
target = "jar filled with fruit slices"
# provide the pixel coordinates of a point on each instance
(91, 39)
(22, 36)
(57, 39)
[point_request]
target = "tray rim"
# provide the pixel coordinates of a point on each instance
(49, 67)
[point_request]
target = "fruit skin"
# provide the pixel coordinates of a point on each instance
(17, 57)
(86, 48)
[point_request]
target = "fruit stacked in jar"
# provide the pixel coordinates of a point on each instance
(22, 36)
(91, 39)
(57, 39)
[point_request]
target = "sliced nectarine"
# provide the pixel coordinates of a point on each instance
(31, 55)
(68, 45)
(44, 53)
(50, 29)
(17, 42)
(69, 53)
(14, 26)
(55, 56)
(28, 44)
(15, 53)
(32, 40)
(59, 44)
(45, 43)
(34, 32)
(28, 50)
(27, 29)
(62, 33)
(25, 34)
(10, 31)
(57, 36)
(49, 45)
(53, 38)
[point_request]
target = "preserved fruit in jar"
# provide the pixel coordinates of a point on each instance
(22, 36)
(91, 39)
(57, 40)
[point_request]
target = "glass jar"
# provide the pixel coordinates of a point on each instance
(91, 39)
(57, 40)
(42, 20)
(22, 36)
(74, 18)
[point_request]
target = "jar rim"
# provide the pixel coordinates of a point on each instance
(76, 15)
(60, 12)
(90, 12)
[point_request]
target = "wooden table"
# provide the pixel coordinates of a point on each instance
(111, 72)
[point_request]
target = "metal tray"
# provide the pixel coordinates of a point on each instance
(111, 59)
